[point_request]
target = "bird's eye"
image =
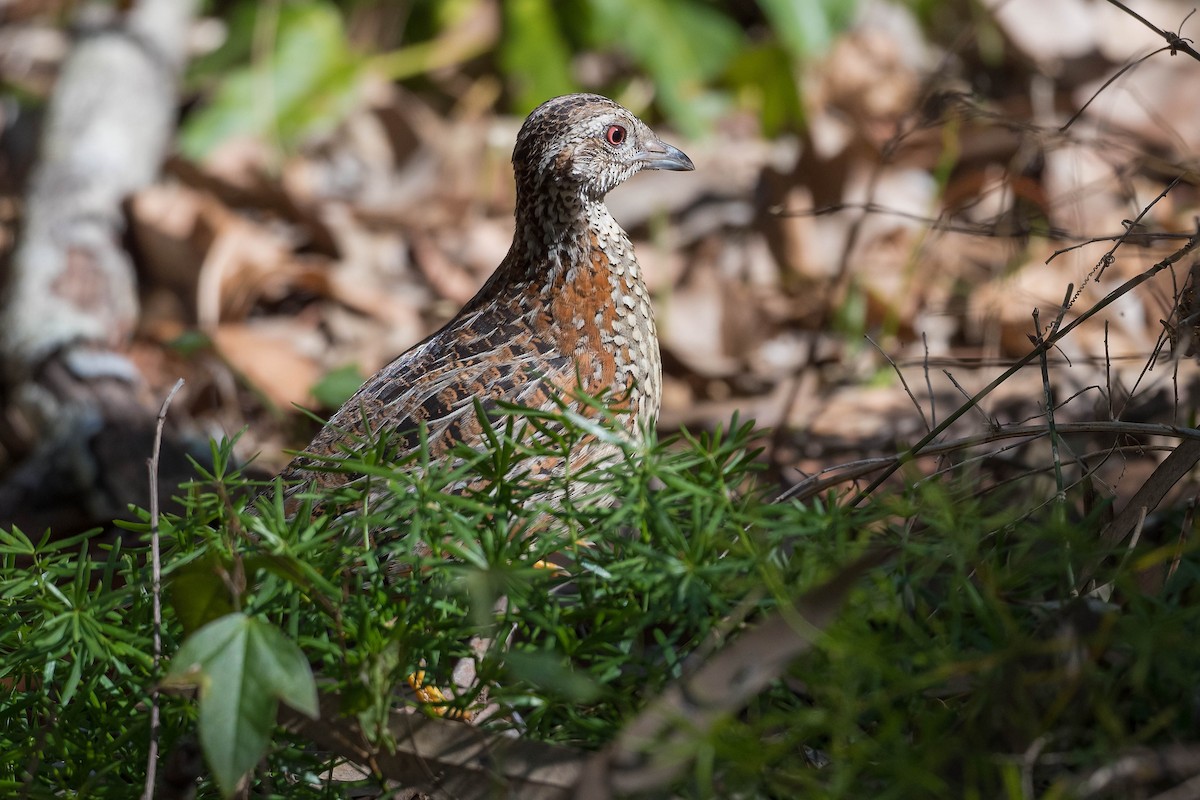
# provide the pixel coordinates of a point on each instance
(615, 135)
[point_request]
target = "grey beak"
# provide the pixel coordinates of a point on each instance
(656, 154)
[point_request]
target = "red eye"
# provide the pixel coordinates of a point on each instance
(614, 135)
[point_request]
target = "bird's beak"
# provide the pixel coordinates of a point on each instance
(657, 154)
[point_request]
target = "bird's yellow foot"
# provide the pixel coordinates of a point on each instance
(432, 697)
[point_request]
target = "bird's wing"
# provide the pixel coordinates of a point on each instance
(437, 383)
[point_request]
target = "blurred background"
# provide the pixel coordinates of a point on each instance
(881, 193)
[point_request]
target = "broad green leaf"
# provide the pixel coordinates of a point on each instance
(681, 45)
(241, 25)
(805, 28)
(198, 595)
(337, 386)
(552, 673)
(533, 53)
(766, 77)
(304, 87)
(243, 667)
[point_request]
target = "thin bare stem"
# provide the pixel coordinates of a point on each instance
(928, 383)
(1036, 353)
(1174, 41)
(991, 423)
(1108, 386)
(841, 473)
(1105, 85)
(900, 375)
(1109, 257)
(156, 589)
(1060, 494)
(1048, 395)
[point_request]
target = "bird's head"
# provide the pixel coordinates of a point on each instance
(585, 144)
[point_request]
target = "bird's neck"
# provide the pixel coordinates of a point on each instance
(572, 275)
(557, 234)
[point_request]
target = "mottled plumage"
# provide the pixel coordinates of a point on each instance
(567, 308)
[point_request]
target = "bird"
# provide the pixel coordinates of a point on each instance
(566, 313)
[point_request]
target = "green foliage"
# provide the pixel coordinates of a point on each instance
(338, 386)
(971, 647)
(243, 667)
(764, 76)
(534, 52)
(75, 667)
(680, 45)
(807, 28)
(303, 84)
(692, 52)
(287, 72)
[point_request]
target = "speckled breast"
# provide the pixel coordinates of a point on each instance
(634, 342)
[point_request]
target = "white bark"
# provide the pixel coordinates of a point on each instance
(75, 416)
(107, 130)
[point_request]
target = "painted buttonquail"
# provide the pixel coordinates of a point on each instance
(566, 310)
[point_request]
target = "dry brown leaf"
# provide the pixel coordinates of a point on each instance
(690, 323)
(1049, 32)
(882, 414)
(449, 280)
(242, 163)
(267, 356)
(165, 221)
(245, 264)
